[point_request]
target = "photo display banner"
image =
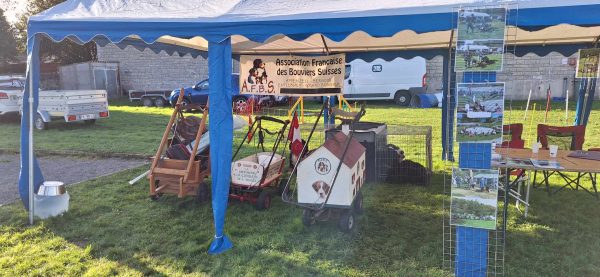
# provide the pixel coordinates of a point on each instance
(292, 75)
(474, 198)
(587, 65)
(479, 112)
(480, 39)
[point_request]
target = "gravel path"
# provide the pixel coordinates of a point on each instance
(59, 168)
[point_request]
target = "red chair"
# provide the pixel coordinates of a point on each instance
(512, 139)
(567, 138)
(514, 131)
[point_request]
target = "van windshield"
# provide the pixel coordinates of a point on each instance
(348, 69)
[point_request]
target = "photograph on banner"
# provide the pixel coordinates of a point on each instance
(587, 66)
(474, 198)
(479, 112)
(479, 55)
(292, 75)
(481, 24)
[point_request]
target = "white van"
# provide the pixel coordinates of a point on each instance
(396, 80)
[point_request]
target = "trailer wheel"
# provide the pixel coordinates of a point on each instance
(308, 217)
(402, 98)
(202, 193)
(39, 122)
(89, 122)
(147, 102)
(160, 102)
(263, 201)
(358, 203)
(346, 221)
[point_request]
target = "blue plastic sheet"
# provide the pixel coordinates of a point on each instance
(221, 134)
(471, 252)
(33, 78)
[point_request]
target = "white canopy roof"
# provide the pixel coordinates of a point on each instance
(261, 10)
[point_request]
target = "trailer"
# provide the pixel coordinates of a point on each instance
(70, 105)
(150, 98)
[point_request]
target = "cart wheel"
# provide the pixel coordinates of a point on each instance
(263, 201)
(281, 187)
(346, 221)
(358, 203)
(158, 195)
(202, 193)
(308, 217)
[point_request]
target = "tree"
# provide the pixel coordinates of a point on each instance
(64, 52)
(8, 45)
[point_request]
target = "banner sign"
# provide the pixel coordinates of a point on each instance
(479, 112)
(480, 43)
(292, 75)
(587, 66)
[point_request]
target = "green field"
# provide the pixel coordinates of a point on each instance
(113, 228)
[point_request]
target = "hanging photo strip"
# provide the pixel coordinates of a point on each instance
(587, 65)
(480, 39)
(480, 112)
(474, 198)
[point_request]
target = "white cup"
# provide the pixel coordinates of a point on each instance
(553, 150)
(535, 147)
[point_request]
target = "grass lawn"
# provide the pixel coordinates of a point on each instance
(113, 228)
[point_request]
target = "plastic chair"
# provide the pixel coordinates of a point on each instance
(567, 138)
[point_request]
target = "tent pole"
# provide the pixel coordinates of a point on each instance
(31, 205)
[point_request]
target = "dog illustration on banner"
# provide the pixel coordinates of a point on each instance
(321, 188)
(257, 74)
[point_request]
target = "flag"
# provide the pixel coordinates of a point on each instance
(548, 95)
(294, 136)
(250, 134)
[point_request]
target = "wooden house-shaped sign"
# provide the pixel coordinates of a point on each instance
(316, 173)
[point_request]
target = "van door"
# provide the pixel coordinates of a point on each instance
(348, 86)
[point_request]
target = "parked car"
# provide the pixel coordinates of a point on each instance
(71, 105)
(198, 94)
(398, 80)
(11, 88)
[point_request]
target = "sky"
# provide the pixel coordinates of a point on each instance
(13, 9)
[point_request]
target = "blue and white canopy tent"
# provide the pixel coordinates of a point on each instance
(218, 21)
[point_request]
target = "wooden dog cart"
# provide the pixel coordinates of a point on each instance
(180, 177)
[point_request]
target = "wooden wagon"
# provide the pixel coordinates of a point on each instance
(180, 177)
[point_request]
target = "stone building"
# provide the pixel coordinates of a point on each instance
(145, 70)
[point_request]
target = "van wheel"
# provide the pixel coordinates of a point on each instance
(39, 123)
(402, 98)
(147, 102)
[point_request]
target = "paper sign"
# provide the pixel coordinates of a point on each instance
(474, 198)
(246, 173)
(292, 75)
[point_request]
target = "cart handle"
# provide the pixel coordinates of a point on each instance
(277, 120)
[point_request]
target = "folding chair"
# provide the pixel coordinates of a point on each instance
(571, 138)
(511, 134)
